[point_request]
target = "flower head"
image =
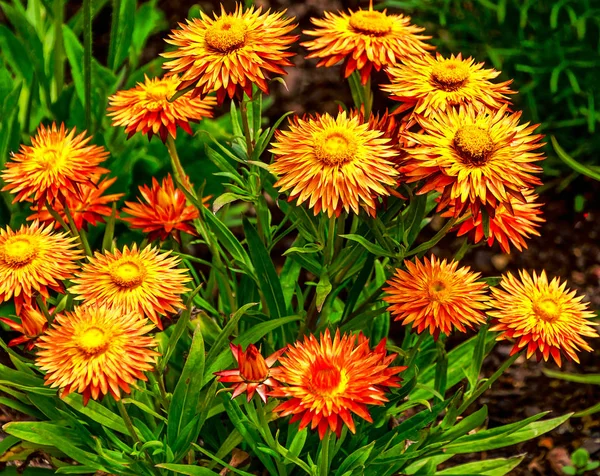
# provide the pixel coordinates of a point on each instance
(147, 282)
(364, 39)
(147, 109)
(334, 163)
(433, 84)
(33, 323)
(326, 381)
(508, 226)
(254, 372)
(54, 166)
(475, 158)
(162, 211)
(96, 350)
(230, 53)
(88, 207)
(544, 317)
(34, 260)
(436, 295)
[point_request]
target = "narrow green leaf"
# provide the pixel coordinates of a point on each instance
(371, 247)
(323, 289)
(489, 467)
(593, 379)
(122, 32)
(96, 412)
(356, 460)
(571, 162)
(190, 470)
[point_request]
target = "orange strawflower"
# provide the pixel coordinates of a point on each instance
(33, 323)
(89, 207)
(475, 158)
(54, 166)
(254, 372)
(334, 163)
(146, 281)
(364, 39)
(162, 211)
(230, 53)
(33, 260)
(436, 295)
(541, 316)
(433, 84)
(146, 108)
(329, 380)
(507, 226)
(96, 350)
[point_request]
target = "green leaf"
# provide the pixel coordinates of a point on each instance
(96, 412)
(185, 397)
(593, 379)
(323, 289)
(371, 247)
(7, 443)
(268, 280)
(356, 460)
(295, 448)
(571, 162)
(121, 34)
(489, 467)
(11, 49)
(149, 19)
(190, 470)
(463, 427)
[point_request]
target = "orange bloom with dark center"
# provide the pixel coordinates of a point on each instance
(146, 282)
(34, 260)
(162, 211)
(544, 317)
(364, 39)
(475, 158)
(334, 163)
(33, 323)
(54, 166)
(230, 53)
(254, 372)
(508, 226)
(96, 351)
(433, 84)
(436, 295)
(89, 207)
(327, 381)
(146, 108)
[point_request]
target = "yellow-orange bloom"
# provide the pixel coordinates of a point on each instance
(334, 163)
(541, 316)
(433, 84)
(96, 350)
(89, 207)
(329, 380)
(54, 166)
(146, 108)
(364, 39)
(475, 158)
(34, 260)
(254, 373)
(436, 295)
(32, 324)
(147, 281)
(162, 211)
(507, 226)
(231, 52)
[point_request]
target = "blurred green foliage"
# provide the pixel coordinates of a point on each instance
(551, 48)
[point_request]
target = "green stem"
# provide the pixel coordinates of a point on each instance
(43, 307)
(180, 174)
(161, 387)
(246, 126)
(268, 436)
(412, 355)
(368, 99)
(324, 467)
(87, 61)
(133, 433)
(78, 233)
(330, 241)
(59, 49)
(488, 383)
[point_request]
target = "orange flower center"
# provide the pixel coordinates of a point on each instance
(546, 309)
(335, 147)
(438, 291)
(157, 95)
(450, 75)
(371, 22)
(93, 340)
(253, 367)
(226, 35)
(18, 251)
(50, 158)
(473, 144)
(127, 274)
(327, 380)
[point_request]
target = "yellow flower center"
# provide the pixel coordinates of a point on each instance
(50, 158)
(335, 148)
(226, 35)
(327, 380)
(450, 75)
(438, 291)
(93, 340)
(473, 144)
(546, 309)
(18, 251)
(371, 22)
(158, 94)
(128, 274)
